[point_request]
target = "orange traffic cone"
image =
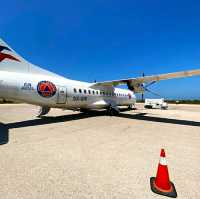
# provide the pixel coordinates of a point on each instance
(161, 184)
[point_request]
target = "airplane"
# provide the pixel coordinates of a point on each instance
(22, 81)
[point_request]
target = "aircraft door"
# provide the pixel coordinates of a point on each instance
(62, 95)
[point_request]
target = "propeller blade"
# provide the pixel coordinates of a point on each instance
(151, 83)
(142, 96)
(143, 87)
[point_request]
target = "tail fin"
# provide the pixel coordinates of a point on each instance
(10, 61)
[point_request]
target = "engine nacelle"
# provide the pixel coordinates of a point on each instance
(136, 87)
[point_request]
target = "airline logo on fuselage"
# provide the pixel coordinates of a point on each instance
(6, 56)
(46, 89)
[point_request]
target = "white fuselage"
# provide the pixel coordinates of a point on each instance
(69, 94)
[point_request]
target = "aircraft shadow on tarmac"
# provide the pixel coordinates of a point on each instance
(49, 120)
(55, 119)
(145, 117)
(4, 135)
(4, 128)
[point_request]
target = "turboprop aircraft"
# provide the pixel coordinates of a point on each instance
(22, 81)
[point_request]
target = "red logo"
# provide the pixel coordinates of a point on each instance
(46, 89)
(6, 56)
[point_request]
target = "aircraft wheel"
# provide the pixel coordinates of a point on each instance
(82, 110)
(112, 112)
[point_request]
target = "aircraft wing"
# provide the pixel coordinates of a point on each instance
(136, 84)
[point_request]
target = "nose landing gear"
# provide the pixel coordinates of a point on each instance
(43, 111)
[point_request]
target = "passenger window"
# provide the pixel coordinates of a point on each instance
(93, 92)
(75, 90)
(89, 91)
(97, 92)
(80, 91)
(85, 92)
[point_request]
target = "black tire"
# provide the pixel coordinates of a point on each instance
(82, 110)
(148, 106)
(112, 112)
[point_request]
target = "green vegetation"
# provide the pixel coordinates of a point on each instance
(179, 101)
(195, 101)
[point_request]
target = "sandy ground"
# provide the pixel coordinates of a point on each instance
(72, 155)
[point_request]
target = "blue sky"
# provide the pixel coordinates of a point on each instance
(105, 40)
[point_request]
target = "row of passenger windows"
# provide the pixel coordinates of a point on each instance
(93, 92)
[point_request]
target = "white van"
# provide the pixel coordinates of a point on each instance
(155, 104)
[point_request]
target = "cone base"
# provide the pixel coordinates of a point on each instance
(172, 194)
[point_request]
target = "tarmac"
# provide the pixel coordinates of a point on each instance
(93, 156)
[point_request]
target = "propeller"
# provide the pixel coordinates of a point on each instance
(145, 87)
